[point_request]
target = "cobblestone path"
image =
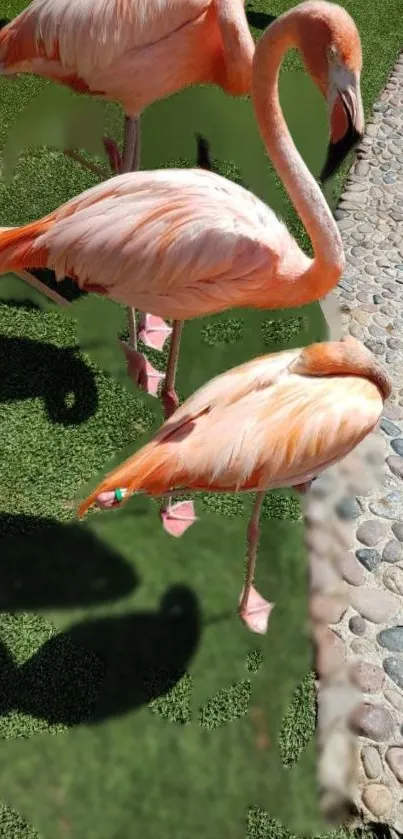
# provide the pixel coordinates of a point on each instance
(360, 587)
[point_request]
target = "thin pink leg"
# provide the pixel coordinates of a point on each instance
(176, 518)
(140, 370)
(113, 153)
(153, 330)
(34, 283)
(254, 610)
(169, 396)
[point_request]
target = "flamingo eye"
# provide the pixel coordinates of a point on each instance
(331, 52)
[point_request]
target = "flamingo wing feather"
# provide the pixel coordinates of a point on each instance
(178, 243)
(86, 36)
(254, 427)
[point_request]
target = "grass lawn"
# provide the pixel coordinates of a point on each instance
(133, 700)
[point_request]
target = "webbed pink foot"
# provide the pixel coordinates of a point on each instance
(141, 371)
(153, 331)
(114, 155)
(176, 519)
(256, 612)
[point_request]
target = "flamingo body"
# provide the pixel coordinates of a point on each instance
(278, 420)
(131, 51)
(177, 243)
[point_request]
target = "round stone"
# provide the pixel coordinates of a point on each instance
(376, 331)
(389, 427)
(361, 646)
(371, 761)
(367, 677)
(393, 667)
(357, 625)
(391, 639)
(397, 529)
(397, 445)
(356, 331)
(392, 412)
(393, 579)
(348, 509)
(361, 317)
(394, 759)
(372, 721)
(378, 799)
(377, 347)
(370, 532)
(389, 507)
(391, 356)
(327, 608)
(369, 558)
(388, 309)
(376, 606)
(349, 569)
(395, 344)
(395, 698)
(369, 307)
(392, 552)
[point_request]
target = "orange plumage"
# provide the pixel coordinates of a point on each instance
(276, 421)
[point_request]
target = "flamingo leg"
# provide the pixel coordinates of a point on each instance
(253, 609)
(153, 330)
(169, 396)
(48, 292)
(176, 518)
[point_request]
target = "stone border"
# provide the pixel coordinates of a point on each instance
(357, 576)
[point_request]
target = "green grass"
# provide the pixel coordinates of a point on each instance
(122, 715)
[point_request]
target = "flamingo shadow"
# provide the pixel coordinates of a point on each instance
(31, 369)
(105, 667)
(98, 668)
(47, 565)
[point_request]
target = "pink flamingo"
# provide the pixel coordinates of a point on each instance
(278, 420)
(133, 52)
(187, 243)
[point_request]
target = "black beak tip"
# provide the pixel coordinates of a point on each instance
(337, 153)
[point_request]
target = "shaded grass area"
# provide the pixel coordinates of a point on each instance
(123, 643)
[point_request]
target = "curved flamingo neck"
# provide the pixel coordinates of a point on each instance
(329, 261)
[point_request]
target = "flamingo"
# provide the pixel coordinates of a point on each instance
(133, 52)
(276, 421)
(187, 243)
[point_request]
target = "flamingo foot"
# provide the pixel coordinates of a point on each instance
(255, 614)
(114, 155)
(176, 519)
(110, 499)
(141, 371)
(153, 331)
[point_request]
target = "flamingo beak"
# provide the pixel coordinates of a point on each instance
(346, 121)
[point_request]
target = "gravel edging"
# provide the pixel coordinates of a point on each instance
(358, 582)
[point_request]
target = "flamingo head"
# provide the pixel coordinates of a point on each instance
(331, 48)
